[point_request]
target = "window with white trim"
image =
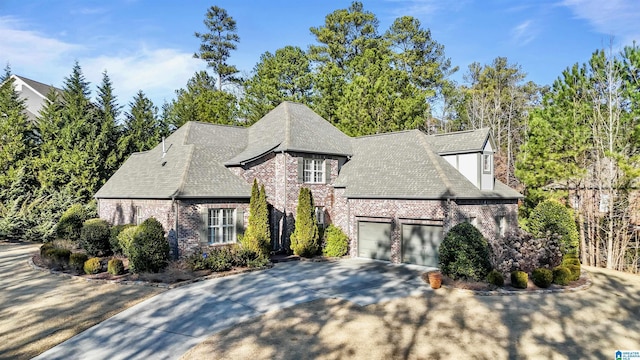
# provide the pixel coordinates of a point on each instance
(501, 223)
(313, 171)
(319, 211)
(221, 226)
(486, 163)
(138, 215)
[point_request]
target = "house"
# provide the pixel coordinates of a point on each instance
(394, 194)
(33, 93)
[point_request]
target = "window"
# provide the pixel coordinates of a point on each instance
(221, 226)
(319, 211)
(313, 171)
(486, 163)
(138, 215)
(473, 221)
(501, 223)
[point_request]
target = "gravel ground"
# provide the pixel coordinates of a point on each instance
(447, 324)
(39, 310)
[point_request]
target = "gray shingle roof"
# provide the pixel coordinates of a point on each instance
(404, 165)
(460, 142)
(293, 127)
(192, 167)
(42, 89)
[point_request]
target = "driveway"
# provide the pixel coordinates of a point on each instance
(169, 324)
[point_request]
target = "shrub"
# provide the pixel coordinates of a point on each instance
(561, 275)
(304, 240)
(115, 267)
(258, 235)
(57, 257)
(575, 272)
(94, 237)
(70, 224)
(92, 266)
(220, 259)
(336, 242)
(542, 277)
(495, 278)
(519, 250)
(46, 246)
(149, 250)
(552, 217)
(114, 242)
(77, 260)
(571, 262)
(125, 238)
(242, 256)
(464, 253)
(519, 279)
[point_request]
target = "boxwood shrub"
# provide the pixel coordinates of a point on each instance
(77, 260)
(336, 242)
(115, 266)
(551, 216)
(70, 224)
(92, 266)
(114, 242)
(149, 250)
(561, 275)
(542, 277)
(496, 278)
(464, 253)
(94, 237)
(519, 279)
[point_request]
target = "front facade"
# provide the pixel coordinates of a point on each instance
(394, 195)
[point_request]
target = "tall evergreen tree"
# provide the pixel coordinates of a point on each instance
(108, 133)
(217, 44)
(304, 239)
(257, 237)
(142, 128)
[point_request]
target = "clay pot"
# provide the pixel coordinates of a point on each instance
(435, 279)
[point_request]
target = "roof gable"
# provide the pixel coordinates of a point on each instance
(460, 142)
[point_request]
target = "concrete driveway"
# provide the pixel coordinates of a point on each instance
(169, 324)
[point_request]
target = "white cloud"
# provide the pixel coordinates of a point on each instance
(419, 8)
(613, 17)
(157, 72)
(523, 33)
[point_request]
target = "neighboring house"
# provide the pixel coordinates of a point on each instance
(33, 93)
(394, 194)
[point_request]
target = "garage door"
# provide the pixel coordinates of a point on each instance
(374, 240)
(420, 244)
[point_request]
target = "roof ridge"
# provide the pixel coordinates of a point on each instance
(434, 159)
(461, 132)
(27, 80)
(183, 178)
(218, 125)
(386, 133)
(287, 125)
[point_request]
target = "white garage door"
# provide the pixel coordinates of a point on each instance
(420, 244)
(374, 240)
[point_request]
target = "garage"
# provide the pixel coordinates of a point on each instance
(420, 244)
(374, 240)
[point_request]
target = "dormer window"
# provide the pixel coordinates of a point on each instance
(486, 163)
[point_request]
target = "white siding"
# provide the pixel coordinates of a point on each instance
(452, 159)
(469, 167)
(486, 179)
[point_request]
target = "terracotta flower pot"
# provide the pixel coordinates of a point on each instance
(435, 279)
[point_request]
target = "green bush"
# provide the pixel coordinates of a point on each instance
(561, 275)
(149, 250)
(115, 266)
(542, 277)
(58, 257)
(519, 279)
(70, 224)
(114, 242)
(92, 266)
(336, 242)
(242, 257)
(77, 260)
(571, 262)
(45, 247)
(464, 253)
(495, 278)
(575, 272)
(257, 237)
(94, 237)
(304, 239)
(552, 217)
(125, 238)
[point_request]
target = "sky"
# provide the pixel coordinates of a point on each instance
(148, 45)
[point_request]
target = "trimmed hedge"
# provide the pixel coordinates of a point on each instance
(94, 237)
(561, 275)
(115, 266)
(92, 266)
(496, 278)
(542, 277)
(336, 242)
(519, 279)
(77, 260)
(551, 216)
(114, 242)
(149, 250)
(464, 253)
(70, 224)
(125, 238)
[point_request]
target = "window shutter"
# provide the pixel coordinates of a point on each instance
(327, 171)
(300, 170)
(203, 226)
(239, 222)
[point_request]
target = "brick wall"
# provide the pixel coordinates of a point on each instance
(123, 211)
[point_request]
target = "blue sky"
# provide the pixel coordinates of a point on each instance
(149, 45)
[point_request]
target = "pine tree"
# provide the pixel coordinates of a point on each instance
(109, 132)
(142, 128)
(304, 239)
